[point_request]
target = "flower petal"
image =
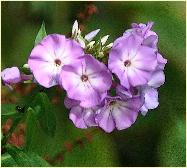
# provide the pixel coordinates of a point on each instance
(101, 81)
(151, 41)
(157, 79)
(69, 103)
(75, 27)
(76, 115)
(91, 35)
(46, 74)
(151, 99)
(126, 112)
(89, 97)
(70, 77)
(161, 62)
(89, 117)
(105, 120)
(104, 39)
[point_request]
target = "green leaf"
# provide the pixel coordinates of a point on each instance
(31, 127)
(26, 100)
(7, 161)
(46, 116)
(41, 34)
(8, 109)
(26, 159)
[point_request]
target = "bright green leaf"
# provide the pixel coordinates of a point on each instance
(7, 161)
(26, 159)
(41, 34)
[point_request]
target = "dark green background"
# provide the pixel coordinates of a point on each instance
(155, 140)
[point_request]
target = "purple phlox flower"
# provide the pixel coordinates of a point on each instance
(50, 55)
(81, 117)
(117, 113)
(87, 81)
(150, 38)
(132, 62)
(148, 92)
(11, 76)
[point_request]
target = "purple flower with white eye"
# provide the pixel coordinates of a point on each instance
(87, 81)
(11, 76)
(150, 38)
(50, 55)
(117, 113)
(132, 62)
(81, 117)
(148, 92)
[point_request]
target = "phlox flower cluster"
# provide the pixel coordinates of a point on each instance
(107, 85)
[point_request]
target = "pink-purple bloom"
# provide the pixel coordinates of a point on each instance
(148, 95)
(131, 61)
(149, 37)
(117, 113)
(50, 55)
(133, 58)
(87, 81)
(81, 117)
(11, 75)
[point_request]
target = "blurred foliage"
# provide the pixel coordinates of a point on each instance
(26, 159)
(155, 140)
